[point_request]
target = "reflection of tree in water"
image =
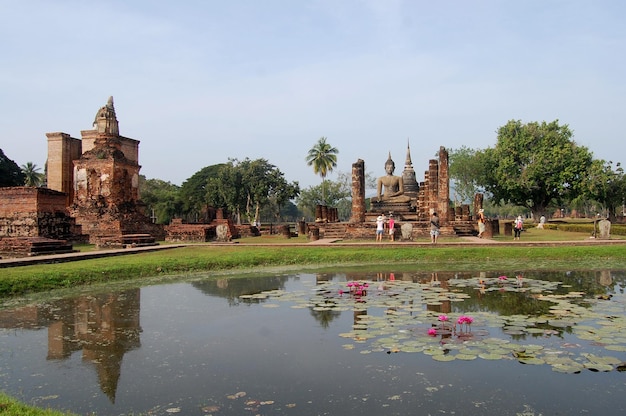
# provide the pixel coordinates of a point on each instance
(507, 303)
(618, 282)
(232, 288)
(324, 317)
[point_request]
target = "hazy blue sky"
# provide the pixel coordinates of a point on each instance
(198, 82)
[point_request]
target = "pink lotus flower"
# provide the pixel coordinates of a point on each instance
(443, 318)
(432, 331)
(465, 320)
(502, 277)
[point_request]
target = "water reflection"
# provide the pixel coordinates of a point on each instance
(232, 289)
(106, 328)
(103, 326)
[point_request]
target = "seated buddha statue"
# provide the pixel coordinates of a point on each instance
(390, 188)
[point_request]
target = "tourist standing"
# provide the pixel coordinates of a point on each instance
(519, 225)
(434, 228)
(481, 222)
(380, 228)
(392, 231)
(542, 221)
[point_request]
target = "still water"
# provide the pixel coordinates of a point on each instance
(540, 343)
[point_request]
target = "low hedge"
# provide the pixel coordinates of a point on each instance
(616, 229)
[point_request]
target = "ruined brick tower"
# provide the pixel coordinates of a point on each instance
(103, 188)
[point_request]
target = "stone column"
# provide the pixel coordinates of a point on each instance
(443, 191)
(358, 192)
(324, 213)
(318, 213)
(478, 204)
(433, 183)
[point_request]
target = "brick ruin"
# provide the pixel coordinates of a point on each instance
(92, 194)
(34, 220)
(100, 175)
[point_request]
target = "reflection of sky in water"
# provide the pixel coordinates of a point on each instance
(192, 345)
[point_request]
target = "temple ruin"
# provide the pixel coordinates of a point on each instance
(410, 202)
(100, 176)
(92, 195)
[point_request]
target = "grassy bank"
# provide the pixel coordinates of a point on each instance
(11, 407)
(224, 258)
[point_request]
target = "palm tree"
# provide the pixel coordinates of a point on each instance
(32, 177)
(323, 158)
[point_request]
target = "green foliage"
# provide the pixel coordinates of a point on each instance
(10, 172)
(162, 199)
(193, 194)
(323, 157)
(606, 185)
(32, 176)
(240, 187)
(465, 171)
(534, 165)
(588, 228)
(11, 407)
(245, 186)
(338, 194)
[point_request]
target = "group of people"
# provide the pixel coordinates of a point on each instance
(518, 225)
(390, 223)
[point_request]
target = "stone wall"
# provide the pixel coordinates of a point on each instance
(35, 212)
(222, 229)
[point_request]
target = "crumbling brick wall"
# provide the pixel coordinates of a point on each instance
(35, 212)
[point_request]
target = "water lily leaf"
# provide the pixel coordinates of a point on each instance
(531, 360)
(621, 348)
(569, 367)
(448, 357)
(514, 332)
(598, 367)
(466, 357)
(433, 351)
(486, 356)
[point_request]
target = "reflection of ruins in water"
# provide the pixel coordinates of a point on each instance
(103, 326)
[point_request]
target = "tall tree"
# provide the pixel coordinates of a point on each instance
(465, 172)
(32, 176)
(162, 199)
(245, 186)
(338, 194)
(607, 186)
(323, 158)
(535, 164)
(10, 172)
(193, 194)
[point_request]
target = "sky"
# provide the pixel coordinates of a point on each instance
(200, 81)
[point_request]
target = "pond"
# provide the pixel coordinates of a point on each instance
(347, 343)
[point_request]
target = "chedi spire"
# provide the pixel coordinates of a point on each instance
(411, 187)
(106, 121)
